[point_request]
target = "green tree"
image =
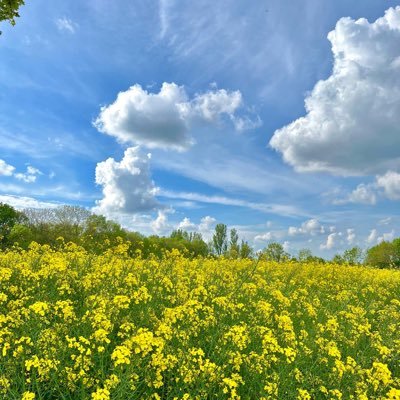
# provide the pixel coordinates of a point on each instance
(100, 233)
(192, 241)
(338, 259)
(219, 240)
(22, 235)
(234, 248)
(9, 217)
(197, 246)
(305, 255)
(275, 252)
(396, 253)
(9, 10)
(69, 222)
(180, 234)
(384, 255)
(353, 256)
(246, 250)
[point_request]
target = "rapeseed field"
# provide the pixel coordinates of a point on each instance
(74, 325)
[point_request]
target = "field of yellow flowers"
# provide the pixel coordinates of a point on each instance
(74, 325)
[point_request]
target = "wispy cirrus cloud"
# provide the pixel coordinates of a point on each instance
(164, 7)
(278, 209)
(65, 24)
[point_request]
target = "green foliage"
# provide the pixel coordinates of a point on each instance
(246, 251)
(49, 224)
(8, 218)
(21, 235)
(96, 234)
(305, 255)
(99, 233)
(197, 246)
(337, 259)
(220, 243)
(234, 248)
(93, 232)
(396, 252)
(179, 234)
(384, 255)
(9, 10)
(275, 252)
(192, 242)
(353, 256)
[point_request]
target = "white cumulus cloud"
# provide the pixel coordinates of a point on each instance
(127, 184)
(386, 236)
(186, 224)
(160, 225)
(164, 119)
(29, 176)
(6, 169)
(265, 237)
(212, 104)
(286, 245)
(330, 241)
(205, 226)
(207, 223)
(390, 182)
(352, 125)
(351, 236)
(362, 194)
(372, 237)
(310, 227)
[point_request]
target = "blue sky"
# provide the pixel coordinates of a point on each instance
(278, 118)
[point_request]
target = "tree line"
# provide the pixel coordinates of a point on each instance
(96, 234)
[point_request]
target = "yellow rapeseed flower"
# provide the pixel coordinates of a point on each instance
(28, 396)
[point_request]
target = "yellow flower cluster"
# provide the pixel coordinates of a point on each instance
(78, 326)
